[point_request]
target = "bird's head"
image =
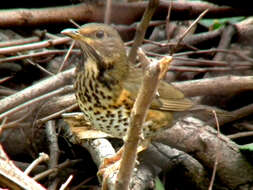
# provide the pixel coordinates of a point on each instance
(101, 44)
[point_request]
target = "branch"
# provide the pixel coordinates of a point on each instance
(122, 13)
(36, 90)
(141, 29)
(138, 114)
(201, 141)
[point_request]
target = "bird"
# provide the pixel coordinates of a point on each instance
(106, 85)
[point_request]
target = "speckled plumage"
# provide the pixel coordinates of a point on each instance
(106, 85)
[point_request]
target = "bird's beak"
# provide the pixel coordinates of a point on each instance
(76, 35)
(72, 33)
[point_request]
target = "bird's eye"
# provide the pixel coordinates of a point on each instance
(100, 34)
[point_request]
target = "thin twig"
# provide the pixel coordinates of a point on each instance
(36, 100)
(74, 23)
(141, 29)
(65, 164)
(40, 67)
(42, 157)
(54, 115)
(36, 54)
(19, 41)
(167, 26)
(65, 185)
(54, 151)
(36, 90)
(82, 183)
(240, 135)
(189, 29)
(108, 10)
(33, 46)
(66, 56)
(217, 152)
(138, 114)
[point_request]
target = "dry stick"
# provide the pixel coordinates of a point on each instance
(36, 54)
(54, 151)
(36, 90)
(141, 29)
(82, 183)
(65, 185)
(214, 50)
(65, 164)
(108, 10)
(36, 100)
(18, 121)
(204, 62)
(226, 38)
(19, 41)
(188, 30)
(204, 70)
(144, 98)
(130, 146)
(237, 114)
(217, 153)
(42, 157)
(216, 86)
(241, 134)
(54, 115)
(225, 42)
(2, 80)
(66, 56)
(39, 67)
(125, 13)
(74, 23)
(38, 45)
(168, 21)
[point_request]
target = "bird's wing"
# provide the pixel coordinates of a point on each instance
(168, 98)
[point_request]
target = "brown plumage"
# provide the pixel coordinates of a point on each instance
(106, 85)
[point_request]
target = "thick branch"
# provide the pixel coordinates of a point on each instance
(123, 13)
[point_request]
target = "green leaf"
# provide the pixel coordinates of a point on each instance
(217, 23)
(248, 147)
(158, 184)
(247, 151)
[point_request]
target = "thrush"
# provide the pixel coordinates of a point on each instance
(106, 85)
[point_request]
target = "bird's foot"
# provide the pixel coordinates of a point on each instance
(110, 164)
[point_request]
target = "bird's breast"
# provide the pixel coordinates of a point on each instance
(107, 109)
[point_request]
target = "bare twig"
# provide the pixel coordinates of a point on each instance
(54, 115)
(36, 100)
(33, 46)
(108, 10)
(240, 135)
(66, 56)
(188, 30)
(138, 114)
(36, 90)
(65, 185)
(42, 157)
(216, 86)
(237, 114)
(126, 13)
(52, 170)
(35, 54)
(19, 41)
(217, 153)
(168, 21)
(141, 29)
(54, 151)
(39, 67)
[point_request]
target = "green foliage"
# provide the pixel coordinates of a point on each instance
(247, 151)
(158, 184)
(217, 23)
(247, 147)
